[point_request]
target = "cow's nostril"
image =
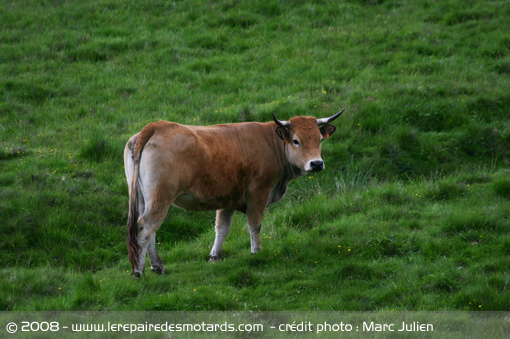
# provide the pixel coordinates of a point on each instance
(317, 165)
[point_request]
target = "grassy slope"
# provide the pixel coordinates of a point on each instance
(411, 212)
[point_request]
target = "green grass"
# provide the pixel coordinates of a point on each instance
(411, 212)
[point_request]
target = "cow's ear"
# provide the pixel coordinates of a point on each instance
(327, 130)
(283, 133)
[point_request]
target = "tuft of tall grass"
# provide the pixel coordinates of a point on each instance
(501, 186)
(100, 148)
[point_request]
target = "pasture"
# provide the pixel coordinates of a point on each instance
(411, 212)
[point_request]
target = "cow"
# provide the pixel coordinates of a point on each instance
(230, 167)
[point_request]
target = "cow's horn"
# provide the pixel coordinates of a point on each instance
(331, 118)
(281, 123)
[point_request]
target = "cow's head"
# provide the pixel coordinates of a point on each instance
(304, 136)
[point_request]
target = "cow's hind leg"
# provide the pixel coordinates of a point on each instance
(156, 264)
(144, 244)
(223, 223)
(148, 224)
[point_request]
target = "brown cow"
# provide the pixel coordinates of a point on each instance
(234, 167)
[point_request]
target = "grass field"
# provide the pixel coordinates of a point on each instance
(411, 213)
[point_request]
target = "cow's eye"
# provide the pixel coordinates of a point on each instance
(296, 142)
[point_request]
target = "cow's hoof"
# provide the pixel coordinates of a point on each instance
(136, 275)
(214, 258)
(158, 270)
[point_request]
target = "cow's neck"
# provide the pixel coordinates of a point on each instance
(289, 172)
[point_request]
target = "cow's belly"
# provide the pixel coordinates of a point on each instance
(192, 202)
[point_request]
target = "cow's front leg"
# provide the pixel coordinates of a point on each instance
(255, 238)
(254, 224)
(223, 223)
(257, 202)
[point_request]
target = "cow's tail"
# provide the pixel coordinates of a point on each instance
(132, 225)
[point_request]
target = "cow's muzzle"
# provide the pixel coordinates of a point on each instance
(316, 165)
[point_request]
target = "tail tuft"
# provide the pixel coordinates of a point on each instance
(132, 226)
